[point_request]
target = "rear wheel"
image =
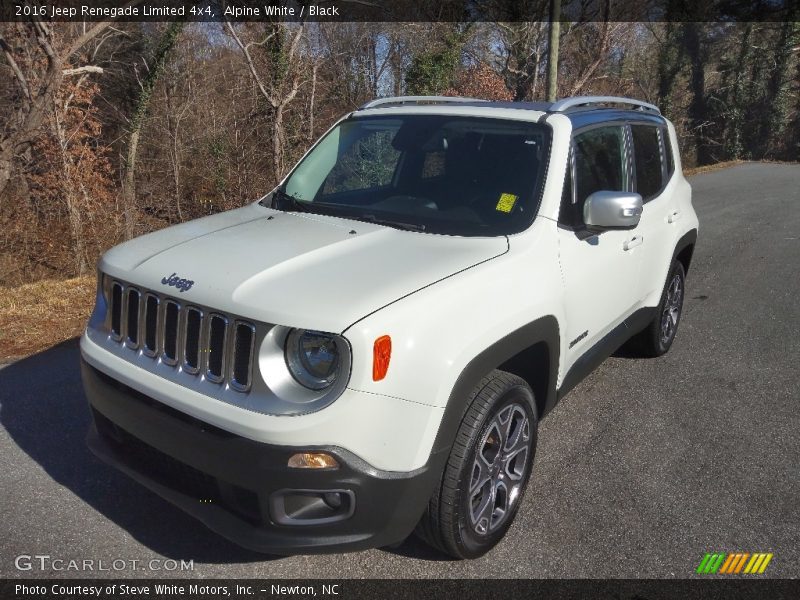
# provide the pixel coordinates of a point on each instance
(656, 339)
(487, 471)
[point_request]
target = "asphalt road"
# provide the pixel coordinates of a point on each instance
(643, 468)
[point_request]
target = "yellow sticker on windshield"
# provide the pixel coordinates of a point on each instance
(506, 203)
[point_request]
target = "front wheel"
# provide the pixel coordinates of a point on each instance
(656, 339)
(487, 471)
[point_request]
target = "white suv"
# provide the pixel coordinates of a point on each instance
(367, 350)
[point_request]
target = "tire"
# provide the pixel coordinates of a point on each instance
(656, 339)
(487, 471)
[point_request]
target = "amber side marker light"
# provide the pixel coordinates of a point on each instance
(381, 354)
(313, 460)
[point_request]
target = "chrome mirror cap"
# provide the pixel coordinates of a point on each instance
(612, 210)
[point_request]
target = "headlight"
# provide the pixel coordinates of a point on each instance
(313, 358)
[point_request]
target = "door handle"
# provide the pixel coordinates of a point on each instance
(674, 216)
(632, 242)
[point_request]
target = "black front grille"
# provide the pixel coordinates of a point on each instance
(191, 358)
(171, 318)
(150, 324)
(116, 310)
(133, 317)
(218, 325)
(186, 337)
(244, 338)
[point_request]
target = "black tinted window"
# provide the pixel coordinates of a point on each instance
(599, 165)
(668, 152)
(647, 157)
(439, 174)
(598, 161)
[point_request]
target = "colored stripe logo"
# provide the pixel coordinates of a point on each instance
(734, 563)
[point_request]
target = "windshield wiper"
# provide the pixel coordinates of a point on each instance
(281, 200)
(390, 223)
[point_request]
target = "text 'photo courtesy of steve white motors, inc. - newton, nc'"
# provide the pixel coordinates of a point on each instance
(143, 590)
(170, 9)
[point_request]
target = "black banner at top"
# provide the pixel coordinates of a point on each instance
(400, 10)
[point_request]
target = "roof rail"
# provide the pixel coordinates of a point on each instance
(416, 100)
(567, 103)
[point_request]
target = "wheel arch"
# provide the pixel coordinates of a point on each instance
(684, 249)
(530, 352)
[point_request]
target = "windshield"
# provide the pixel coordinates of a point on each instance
(439, 174)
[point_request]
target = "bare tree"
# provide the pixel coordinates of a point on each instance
(154, 71)
(26, 47)
(277, 76)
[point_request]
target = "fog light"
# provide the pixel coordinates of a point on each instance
(333, 499)
(313, 460)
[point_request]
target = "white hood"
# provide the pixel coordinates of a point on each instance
(294, 269)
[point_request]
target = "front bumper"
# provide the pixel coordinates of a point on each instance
(242, 489)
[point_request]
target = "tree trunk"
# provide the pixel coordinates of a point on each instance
(670, 63)
(311, 102)
(773, 121)
(6, 165)
(697, 107)
(70, 198)
(737, 103)
(32, 113)
(277, 145)
(129, 186)
(21, 140)
(76, 229)
(552, 57)
(165, 45)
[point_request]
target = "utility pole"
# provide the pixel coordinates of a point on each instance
(552, 59)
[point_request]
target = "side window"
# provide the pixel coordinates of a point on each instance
(599, 159)
(647, 160)
(668, 153)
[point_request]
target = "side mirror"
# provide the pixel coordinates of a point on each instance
(612, 210)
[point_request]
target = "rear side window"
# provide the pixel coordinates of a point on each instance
(647, 160)
(668, 153)
(599, 165)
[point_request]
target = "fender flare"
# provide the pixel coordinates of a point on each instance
(687, 239)
(541, 330)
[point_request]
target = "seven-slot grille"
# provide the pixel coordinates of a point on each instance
(185, 336)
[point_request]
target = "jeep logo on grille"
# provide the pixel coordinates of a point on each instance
(182, 284)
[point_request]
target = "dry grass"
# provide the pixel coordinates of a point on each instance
(36, 316)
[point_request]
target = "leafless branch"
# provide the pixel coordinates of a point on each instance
(98, 28)
(82, 70)
(15, 68)
(251, 65)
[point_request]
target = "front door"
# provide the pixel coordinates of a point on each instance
(600, 270)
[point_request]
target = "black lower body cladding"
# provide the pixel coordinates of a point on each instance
(243, 489)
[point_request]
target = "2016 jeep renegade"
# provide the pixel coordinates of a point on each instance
(367, 350)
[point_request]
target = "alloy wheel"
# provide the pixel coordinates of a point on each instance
(672, 309)
(499, 468)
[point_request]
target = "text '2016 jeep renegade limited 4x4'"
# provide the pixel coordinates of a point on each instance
(367, 350)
